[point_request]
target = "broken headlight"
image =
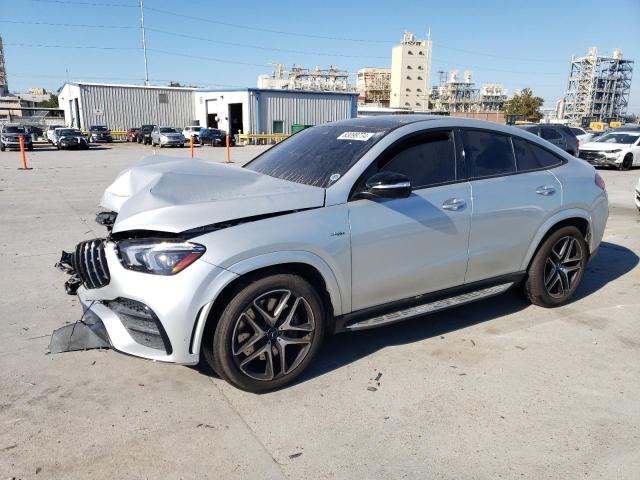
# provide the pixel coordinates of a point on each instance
(161, 257)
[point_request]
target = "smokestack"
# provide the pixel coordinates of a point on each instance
(4, 88)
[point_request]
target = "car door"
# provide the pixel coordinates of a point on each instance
(405, 247)
(511, 200)
(550, 134)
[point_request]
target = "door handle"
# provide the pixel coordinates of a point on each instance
(545, 190)
(454, 204)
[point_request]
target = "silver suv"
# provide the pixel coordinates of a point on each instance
(344, 226)
(167, 137)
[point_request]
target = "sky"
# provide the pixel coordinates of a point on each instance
(228, 44)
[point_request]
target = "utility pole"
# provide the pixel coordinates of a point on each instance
(144, 44)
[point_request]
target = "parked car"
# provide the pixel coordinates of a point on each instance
(132, 134)
(215, 137)
(167, 137)
(10, 137)
(51, 130)
(144, 134)
(627, 127)
(560, 135)
(99, 133)
(582, 135)
(192, 131)
(614, 149)
(342, 227)
(71, 138)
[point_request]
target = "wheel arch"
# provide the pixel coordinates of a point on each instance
(574, 217)
(315, 271)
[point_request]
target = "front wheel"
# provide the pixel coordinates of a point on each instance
(268, 333)
(557, 268)
(626, 163)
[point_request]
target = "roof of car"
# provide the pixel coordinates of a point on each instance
(385, 122)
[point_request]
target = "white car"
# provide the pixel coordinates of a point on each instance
(55, 135)
(191, 131)
(614, 149)
(582, 135)
(51, 131)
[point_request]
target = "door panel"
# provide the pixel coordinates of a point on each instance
(507, 212)
(410, 246)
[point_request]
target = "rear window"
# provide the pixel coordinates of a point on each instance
(550, 134)
(490, 154)
(531, 157)
(577, 131)
(317, 156)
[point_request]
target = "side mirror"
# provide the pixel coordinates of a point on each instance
(387, 185)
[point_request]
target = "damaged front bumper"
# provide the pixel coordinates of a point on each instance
(155, 317)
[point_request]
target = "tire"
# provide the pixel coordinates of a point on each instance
(2, 148)
(557, 268)
(627, 163)
(244, 340)
(30, 148)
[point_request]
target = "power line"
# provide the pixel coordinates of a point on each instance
(90, 47)
(81, 25)
(259, 47)
(88, 4)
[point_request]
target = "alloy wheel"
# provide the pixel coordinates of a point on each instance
(562, 267)
(273, 335)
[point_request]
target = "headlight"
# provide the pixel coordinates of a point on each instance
(162, 257)
(613, 152)
(164, 138)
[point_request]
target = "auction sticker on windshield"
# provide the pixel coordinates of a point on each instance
(359, 136)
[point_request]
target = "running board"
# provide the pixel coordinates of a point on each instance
(430, 307)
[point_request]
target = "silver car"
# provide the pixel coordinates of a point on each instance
(167, 137)
(342, 227)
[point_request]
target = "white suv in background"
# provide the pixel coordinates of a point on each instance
(51, 131)
(192, 131)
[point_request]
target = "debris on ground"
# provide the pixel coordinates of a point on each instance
(372, 389)
(295, 455)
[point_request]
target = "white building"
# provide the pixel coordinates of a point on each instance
(411, 73)
(254, 110)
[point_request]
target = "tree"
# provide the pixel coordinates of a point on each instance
(51, 103)
(525, 104)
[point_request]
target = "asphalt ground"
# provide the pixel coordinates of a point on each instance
(495, 389)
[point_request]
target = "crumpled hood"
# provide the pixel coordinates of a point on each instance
(604, 147)
(173, 195)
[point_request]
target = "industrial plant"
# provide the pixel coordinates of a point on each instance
(598, 88)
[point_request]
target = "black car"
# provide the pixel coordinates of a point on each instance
(71, 138)
(10, 137)
(100, 133)
(560, 135)
(215, 137)
(143, 135)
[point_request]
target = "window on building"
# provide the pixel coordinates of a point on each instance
(410, 52)
(408, 77)
(409, 67)
(420, 52)
(419, 78)
(417, 104)
(419, 67)
(163, 98)
(406, 104)
(408, 89)
(278, 126)
(418, 90)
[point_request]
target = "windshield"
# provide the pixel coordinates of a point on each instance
(623, 138)
(196, 129)
(14, 130)
(317, 156)
(99, 129)
(167, 130)
(70, 131)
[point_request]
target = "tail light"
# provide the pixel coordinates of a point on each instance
(600, 182)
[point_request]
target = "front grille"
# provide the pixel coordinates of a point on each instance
(590, 155)
(90, 263)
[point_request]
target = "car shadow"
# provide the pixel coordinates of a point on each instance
(611, 262)
(50, 148)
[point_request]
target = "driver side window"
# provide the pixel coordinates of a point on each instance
(428, 159)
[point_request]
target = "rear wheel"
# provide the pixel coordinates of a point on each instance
(557, 268)
(627, 162)
(268, 333)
